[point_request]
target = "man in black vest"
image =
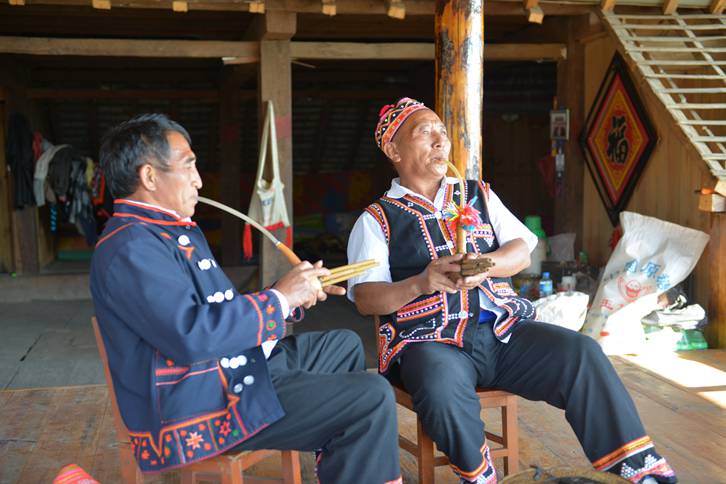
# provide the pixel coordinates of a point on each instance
(445, 337)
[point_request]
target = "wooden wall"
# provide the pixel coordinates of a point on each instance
(33, 246)
(665, 189)
(511, 150)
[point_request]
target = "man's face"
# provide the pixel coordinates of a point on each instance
(179, 183)
(422, 146)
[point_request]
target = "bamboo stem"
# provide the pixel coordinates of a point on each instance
(460, 232)
(286, 251)
(367, 264)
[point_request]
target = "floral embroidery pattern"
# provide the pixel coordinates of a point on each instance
(194, 440)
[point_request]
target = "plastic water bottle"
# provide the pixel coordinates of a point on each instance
(546, 287)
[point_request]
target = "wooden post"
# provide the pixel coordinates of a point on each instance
(7, 262)
(230, 142)
(459, 32)
(571, 95)
(716, 329)
(275, 84)
(23, 223)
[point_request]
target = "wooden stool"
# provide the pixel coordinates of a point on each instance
(423, 449)
(227, 468)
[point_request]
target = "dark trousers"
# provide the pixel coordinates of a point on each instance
(332, 404)
(540, 362)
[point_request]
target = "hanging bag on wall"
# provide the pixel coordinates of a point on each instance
(267, 205)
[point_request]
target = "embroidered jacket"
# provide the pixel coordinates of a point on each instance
(416, 234)
(183, 346)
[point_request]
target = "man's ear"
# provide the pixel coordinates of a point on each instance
(147, 177)
(391, 151)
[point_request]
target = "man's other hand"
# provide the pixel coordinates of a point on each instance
(470, 282)
(301, 286)
(435, 278)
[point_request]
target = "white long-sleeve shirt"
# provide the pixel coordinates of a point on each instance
(367, 240)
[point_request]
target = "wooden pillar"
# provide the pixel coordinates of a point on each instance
(275, 84)
(571, 95)
(23, 223)
(230, 142)
(459, 32)
(716, 329)
(7, 263)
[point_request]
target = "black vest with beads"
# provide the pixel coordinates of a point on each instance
(416, 234)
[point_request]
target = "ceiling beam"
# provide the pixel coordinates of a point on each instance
(607, 5)
(717, 7)
(248, 52)
(535, 14)
(419, 51)
(670, 6)
(346, 7)
(130, 48)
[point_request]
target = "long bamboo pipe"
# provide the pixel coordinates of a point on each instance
(286, 251)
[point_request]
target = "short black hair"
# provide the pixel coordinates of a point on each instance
(130, 145)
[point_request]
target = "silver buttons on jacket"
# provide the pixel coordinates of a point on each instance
(238, 388)
(248, 380)
(204, 264)
(220, 296)
(183, 240)
(233, 362)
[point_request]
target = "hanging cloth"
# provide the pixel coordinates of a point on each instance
(267, 205)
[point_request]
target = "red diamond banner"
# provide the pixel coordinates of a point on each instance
(618, 139)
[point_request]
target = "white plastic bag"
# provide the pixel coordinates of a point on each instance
(652, 256)
(565, 309)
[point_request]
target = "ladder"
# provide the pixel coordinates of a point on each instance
(683, 59)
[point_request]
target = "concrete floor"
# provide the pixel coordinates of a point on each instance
(50, 343)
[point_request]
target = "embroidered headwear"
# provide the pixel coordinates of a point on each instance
(392, 116)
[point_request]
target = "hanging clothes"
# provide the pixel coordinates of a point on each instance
(41, 172)
(19, 156)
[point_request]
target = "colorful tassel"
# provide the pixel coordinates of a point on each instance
(467, 218)
(247, 242)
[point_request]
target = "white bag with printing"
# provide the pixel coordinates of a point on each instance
(267, 204)
(652, 256)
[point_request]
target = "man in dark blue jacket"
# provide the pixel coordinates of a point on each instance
(198, 368)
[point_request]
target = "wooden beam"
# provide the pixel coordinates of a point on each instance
(459, 35)
(275, 84)
(208, 95)
(248, 51)
(607, 5)
(182, 7)
(717, 7)
(535, 14)
(395, 9)
(670, 7)
(129, 47)
(420, 51)
(7, 261)
(274, 25)
(329, 7)
(101, 4)
(716, 329)
(346, 7)
(257, 6)
(568, 213)
(230, 145)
